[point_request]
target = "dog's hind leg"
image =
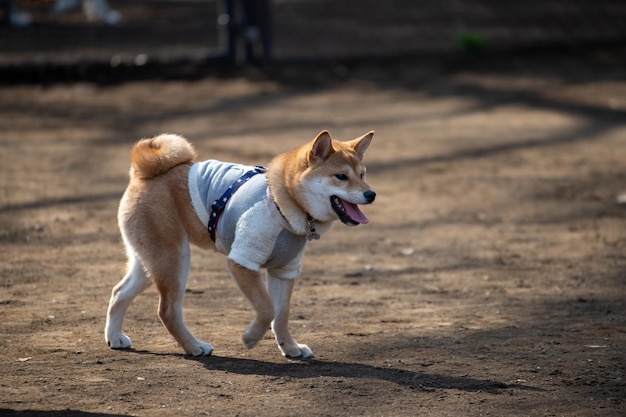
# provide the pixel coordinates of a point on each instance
(280, 291)
(123, 294)
(169, 271)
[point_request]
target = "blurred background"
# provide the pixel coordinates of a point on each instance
(64, 34)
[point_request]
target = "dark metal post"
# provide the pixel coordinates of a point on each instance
(245, 31)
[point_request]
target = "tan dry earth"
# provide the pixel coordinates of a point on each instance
(490, 281)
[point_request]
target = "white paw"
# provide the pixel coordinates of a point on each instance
(302, 352)
(119, 341)
(253, 334)
(200, 349)
(250, 339)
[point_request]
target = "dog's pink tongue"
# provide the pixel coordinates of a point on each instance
(353, 211)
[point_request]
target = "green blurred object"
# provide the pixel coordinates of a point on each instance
(471, 42)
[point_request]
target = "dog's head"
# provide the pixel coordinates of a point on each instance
(333, 182)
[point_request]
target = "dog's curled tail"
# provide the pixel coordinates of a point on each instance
(157, 155)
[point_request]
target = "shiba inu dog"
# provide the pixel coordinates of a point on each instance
(261, 219)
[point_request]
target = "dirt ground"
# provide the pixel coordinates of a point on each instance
(490, 281)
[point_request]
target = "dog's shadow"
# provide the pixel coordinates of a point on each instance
(317, 368)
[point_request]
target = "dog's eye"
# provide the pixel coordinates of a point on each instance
(341, 177)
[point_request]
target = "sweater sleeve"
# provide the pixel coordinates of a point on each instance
(255, 236)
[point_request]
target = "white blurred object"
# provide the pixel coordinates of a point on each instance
(19, 19)
(95, 10)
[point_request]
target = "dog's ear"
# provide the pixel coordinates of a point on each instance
(361, 144)
(322, 146)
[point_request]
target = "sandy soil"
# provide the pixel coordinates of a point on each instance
(490, 280)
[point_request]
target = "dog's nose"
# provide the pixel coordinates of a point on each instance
(370, 196)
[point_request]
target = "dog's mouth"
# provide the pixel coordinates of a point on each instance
(347, 212)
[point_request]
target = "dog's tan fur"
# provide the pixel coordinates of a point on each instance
(158, 222)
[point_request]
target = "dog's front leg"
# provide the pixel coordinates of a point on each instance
(253, 288)
(280, 291)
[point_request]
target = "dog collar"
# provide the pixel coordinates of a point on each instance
(310, 222)
(218, 206)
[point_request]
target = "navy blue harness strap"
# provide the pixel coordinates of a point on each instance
(218, 206)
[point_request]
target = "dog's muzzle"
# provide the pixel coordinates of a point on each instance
(370, 196)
